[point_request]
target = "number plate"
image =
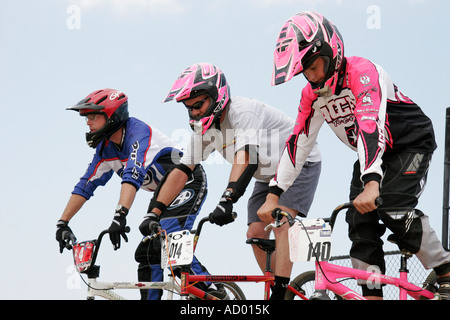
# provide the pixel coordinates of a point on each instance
(309, 240)
(179, 249)
(82, 255)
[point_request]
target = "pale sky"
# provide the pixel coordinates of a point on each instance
(54, 52)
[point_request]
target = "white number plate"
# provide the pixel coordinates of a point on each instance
(179, 249)
(310, 239)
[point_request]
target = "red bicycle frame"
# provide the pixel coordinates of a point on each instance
(188, 280)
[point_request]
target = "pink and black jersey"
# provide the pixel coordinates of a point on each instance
(369, 115)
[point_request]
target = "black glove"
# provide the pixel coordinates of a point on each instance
(117, 227)
(150, 224)
(64, 235)
(223, 213)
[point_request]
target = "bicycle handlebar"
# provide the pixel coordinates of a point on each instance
(197, 231)
(104, 232)
(98, 242)
(278, 214)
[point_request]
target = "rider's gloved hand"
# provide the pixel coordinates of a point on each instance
(150, 224)
(223, 213)
(117, 227)
(64, 235)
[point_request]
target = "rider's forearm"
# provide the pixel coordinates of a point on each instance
(127, 195)
(73, 206)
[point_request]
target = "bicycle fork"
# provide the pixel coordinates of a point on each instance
(188, 288)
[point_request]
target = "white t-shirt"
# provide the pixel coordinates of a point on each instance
(247, 122)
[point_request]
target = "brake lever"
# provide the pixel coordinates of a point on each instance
(276, 224)
(153, 236)
(70, 241)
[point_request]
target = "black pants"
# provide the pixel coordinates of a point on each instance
(179, 215)
(403, 182)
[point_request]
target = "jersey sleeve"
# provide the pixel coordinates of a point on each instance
(369, 86)
(97, 174)
(247, 128)
(142, 151)
(300, 143)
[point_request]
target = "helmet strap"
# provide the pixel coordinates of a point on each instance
(122, 138)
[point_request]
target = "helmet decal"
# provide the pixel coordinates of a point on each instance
(202, 79)
(304, 37)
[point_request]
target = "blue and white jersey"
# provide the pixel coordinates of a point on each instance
(145, 156)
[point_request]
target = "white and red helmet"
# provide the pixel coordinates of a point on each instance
(202, 79)
(304, 37)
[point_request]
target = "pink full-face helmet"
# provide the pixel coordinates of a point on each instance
(304, 37)
(202, 79)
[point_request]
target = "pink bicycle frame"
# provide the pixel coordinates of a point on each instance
(327, 275)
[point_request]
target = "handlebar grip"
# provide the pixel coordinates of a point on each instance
(332, 219)
(379, 201)
(276, 212)
(211, 220)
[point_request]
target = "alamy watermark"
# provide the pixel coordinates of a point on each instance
(269, 145)
(73, 21)
(374, 282)
(374, 19)
(73, 281)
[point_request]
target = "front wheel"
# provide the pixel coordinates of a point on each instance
(234, 292)
(305, 284)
